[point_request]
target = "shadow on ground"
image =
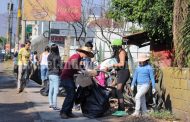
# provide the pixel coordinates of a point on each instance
(17, 112)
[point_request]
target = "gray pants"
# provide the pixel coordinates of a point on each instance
(22, 77)
(140, 98)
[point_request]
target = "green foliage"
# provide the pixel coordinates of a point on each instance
(184, 43)
(163, 114)
(154, 15)
(2, 40)
(134, 29)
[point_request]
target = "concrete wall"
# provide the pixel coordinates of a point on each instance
(176, 84)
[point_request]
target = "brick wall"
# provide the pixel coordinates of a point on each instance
(176, 84)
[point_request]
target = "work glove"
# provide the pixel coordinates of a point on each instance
(132, 88)
(153, 91)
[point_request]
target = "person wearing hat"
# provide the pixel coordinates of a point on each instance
(71, 67)
(143, 75)
(123, 73)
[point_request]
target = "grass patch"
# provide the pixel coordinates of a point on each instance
(163, 114)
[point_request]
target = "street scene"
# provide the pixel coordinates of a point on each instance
(94, 61)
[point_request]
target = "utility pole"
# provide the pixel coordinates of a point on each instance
(10, 24)
(23, 33)
(19, 18)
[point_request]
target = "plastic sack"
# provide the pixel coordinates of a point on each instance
(108, 63)
(83, 80)
(35, 74)
(44, 91)
(96, 101)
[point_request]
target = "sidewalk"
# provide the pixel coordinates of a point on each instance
(40, 105)
(31, 106)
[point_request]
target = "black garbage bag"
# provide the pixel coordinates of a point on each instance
(95, 101)
(45, 89)
(35, 74)
(82, 93)
(62, 92)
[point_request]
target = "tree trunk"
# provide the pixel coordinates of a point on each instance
(179, 16)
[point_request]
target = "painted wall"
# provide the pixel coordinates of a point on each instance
(176, 84)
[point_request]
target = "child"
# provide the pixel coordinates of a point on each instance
(142, 77)
(35, 59)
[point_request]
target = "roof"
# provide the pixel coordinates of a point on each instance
(139, 39)
(105, 23)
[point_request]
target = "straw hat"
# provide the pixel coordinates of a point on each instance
(143, 57)
(86, 50)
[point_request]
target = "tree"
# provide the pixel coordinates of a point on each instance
(181, 32)
(184, 43)
(101, 24)
(2, 41)
(155, 16)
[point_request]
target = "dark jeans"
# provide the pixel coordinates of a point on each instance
(69, 86)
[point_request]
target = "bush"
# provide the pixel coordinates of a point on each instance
(7, 57)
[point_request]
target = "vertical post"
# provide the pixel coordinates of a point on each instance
(49, 32)
(19, 17)
(23, 31)
(67, 44)
(10, 23)
(8, 29)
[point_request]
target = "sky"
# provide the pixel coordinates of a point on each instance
(3, 12)
(4, 16)
(3, 5)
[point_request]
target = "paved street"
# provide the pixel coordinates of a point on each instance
(13, 107)
(30, 106)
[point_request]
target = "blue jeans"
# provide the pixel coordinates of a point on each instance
(53, 89)
(44, 72)
(69, 86)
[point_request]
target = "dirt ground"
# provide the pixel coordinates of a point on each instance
(128, 118)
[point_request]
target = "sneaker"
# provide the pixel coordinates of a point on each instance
(19, 91)
(120, 113)
(63, 115)
(56, 108)
(51, 106)
(145, 114)
(115, 113)
(136, 114)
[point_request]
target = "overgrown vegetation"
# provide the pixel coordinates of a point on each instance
(2, 40)
(180, 13)
(154, 16)
(183, 50)
(163, 114)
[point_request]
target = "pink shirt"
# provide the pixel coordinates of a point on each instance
(70, 69)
